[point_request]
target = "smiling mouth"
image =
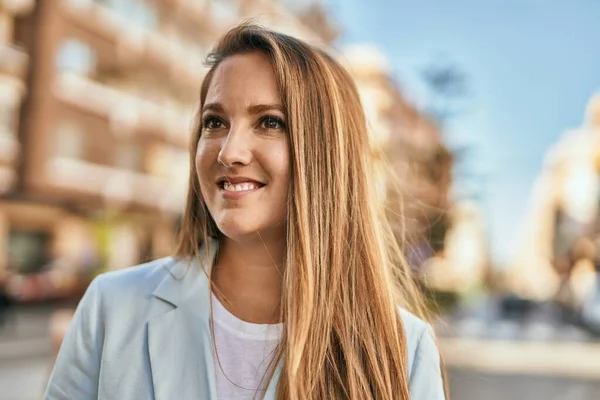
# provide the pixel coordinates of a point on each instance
(240, 187)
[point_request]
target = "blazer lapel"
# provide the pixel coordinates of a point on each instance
(179, 341)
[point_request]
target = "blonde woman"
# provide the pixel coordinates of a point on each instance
(287, 283)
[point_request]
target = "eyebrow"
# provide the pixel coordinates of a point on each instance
(217, 107)
(260, 108)
(254, 109)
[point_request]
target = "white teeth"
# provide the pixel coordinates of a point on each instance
(239, 187)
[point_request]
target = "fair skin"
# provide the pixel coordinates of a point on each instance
(243, 166)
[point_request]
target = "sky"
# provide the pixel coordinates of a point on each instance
(531, 65)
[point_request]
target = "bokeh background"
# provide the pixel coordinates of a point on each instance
(486, 111)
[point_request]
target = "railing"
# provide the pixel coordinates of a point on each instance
(125, 112)
(13, 61)
(17, 7)
(116, 185)
(132, 42)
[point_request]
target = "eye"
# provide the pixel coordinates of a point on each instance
(212, 123)
(272, 123)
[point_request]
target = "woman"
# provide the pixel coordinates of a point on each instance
(287, 281)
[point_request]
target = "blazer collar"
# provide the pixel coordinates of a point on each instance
(180, 342)
(188, 276)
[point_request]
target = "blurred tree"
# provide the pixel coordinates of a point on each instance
(448, 85)
(449, 88)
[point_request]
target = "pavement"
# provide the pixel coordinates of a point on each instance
(24, 379)
(25, 352)
(466, 384)
(484, 336)
(25, 333)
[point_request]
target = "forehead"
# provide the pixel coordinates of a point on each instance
(243, 79)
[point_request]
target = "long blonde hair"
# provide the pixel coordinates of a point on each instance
(344, 274)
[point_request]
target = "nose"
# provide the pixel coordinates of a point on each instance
(236, 148)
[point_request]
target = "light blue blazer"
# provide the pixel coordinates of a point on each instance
(143, 333)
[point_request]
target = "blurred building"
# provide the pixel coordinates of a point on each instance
(415, 174)
(464, 263)
(98, 100)
(14, 63)
(94, 161)
(560, 250)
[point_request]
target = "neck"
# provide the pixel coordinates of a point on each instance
(247, 277)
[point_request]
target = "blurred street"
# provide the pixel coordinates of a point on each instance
(497, 351)
(495, 318)
(475, 385)
(26, 358)
(25, 352)
(25, 380)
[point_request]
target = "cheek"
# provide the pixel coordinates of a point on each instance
(280, 162)
(206, 155)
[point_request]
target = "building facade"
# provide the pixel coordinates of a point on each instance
(560, 253)
(102, 95)
(98, 103)
(14, 63)
(414, 165)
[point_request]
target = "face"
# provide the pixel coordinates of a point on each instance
(242, 157)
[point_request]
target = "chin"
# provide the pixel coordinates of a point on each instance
(246, 230)
(237, 228)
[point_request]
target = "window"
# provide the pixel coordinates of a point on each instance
(28, 251)
(9, 100)
(7, 120)
(129, 156)
(68, 141)
(76, 57)
(166, 161)
(138, 12)
(8, 136)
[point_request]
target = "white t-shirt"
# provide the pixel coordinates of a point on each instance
(244, 351)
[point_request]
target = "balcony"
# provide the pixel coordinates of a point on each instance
(13, 61)
(9, 147)
(126, 113)
(195, 11)
(103, 28)
(115, 185)
(17, 7)
(11, 94)
(12, 90)
(7, 179)
(278, 17)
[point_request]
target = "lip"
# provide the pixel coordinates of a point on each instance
(235, 195)
(237, 179)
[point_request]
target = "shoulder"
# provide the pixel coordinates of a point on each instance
(414, 327)
(424, 362)
(129, 290)
(420, 339)
(139, 278)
